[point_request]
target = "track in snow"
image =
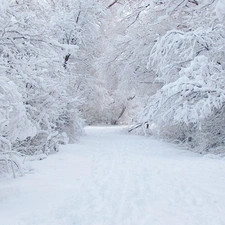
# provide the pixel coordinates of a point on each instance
(111, 178)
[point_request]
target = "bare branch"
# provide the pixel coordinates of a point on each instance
(78, 16)
(116, 1)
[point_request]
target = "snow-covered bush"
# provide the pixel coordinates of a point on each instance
(14, 126)
(14, 123)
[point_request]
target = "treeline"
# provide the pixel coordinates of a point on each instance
(107, 61)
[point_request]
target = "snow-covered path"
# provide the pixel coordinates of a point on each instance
(110, 178)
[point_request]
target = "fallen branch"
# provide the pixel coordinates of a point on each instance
(135, 127)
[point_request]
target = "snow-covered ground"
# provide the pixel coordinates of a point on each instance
(111, 178)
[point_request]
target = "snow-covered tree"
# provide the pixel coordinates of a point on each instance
(33, 60)
(189, 63)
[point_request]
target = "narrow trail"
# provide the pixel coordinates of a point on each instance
(111, 178)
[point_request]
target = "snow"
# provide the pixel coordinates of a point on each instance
(112, 178)
(4, 5)
(219, 9)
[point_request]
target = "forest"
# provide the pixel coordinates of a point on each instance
(157, 65)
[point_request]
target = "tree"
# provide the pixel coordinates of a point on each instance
(190, 65)
(32, 59)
